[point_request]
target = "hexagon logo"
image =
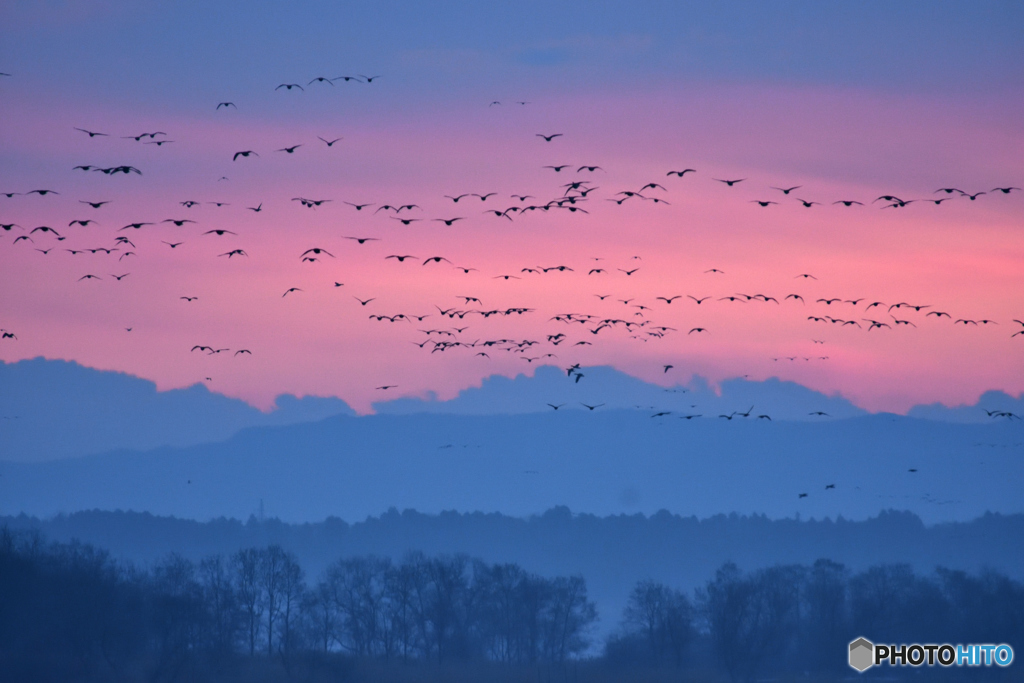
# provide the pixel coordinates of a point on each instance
(862, 654)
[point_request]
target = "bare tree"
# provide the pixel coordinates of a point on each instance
(223, 614)
(271, 577)
(292, 590)
(248, 587)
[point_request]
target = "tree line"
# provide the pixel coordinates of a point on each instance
(68, 611)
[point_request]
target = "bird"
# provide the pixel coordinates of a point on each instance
(787, 190)
(364, 240)
(289, 150)
(234, 252)
(848, 202)
(400, 259)
(289, 86)
(92, 134)
(669, 299)
(225, 105)
(681, 173)
(549, 138)
(434, 259)
(173, 245)
(627, 272)
(177, 222)
(666, 368)
(589, 407)
(361, 302)
(557, 169)
(696, 329)
(730, 183)
(245, 153)
(329, 143)
(290, 290)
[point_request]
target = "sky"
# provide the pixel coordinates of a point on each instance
(847, 102)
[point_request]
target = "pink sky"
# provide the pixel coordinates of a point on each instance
(963, 257)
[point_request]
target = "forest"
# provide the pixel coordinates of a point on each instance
(70, 612)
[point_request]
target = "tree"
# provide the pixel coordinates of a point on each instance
(663, 617)
(246, 569)
(826, 615)
(221, 603)
(292, 591)
(569, 618)
(750, 617)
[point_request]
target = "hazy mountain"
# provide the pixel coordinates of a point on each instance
(989, 401)
(499, 395)
(51, 409)
(55, 409)
(601, 462)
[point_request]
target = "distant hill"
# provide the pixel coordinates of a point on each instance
(53, 409)
(611, 552)
(990, 400)
(499, 395)
(601, 462)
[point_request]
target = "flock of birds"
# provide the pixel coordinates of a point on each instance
(576, 196)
